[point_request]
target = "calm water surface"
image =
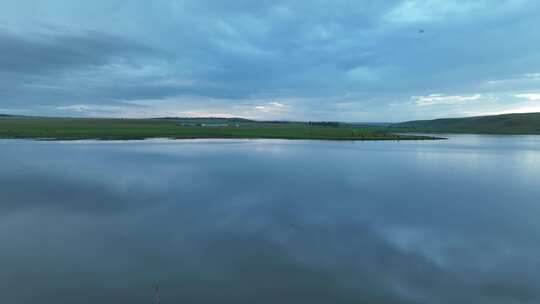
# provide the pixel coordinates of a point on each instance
(265, 221)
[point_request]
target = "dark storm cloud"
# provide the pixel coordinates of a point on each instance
(58, 67)
(55, 52)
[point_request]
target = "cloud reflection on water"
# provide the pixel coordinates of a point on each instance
(270, 221)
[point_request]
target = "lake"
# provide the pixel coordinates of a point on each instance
(271, 221)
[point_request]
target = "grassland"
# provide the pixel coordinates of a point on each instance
(127, 129)
(525, 123)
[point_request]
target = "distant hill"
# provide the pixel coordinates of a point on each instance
(522, 123)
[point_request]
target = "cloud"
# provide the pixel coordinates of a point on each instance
(532, 76)
(529, 96)
(276, 109)
(414, 11)
(39, 53)
(189, 106)
(441, 99)
(106, 53)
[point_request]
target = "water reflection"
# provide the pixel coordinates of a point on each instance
(271, 221)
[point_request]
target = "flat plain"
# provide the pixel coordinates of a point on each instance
(127, 129)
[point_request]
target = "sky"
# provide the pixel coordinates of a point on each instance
(361, 60)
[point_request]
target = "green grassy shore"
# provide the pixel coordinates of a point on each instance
(128, 129)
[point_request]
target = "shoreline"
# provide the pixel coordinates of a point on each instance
(404, 138)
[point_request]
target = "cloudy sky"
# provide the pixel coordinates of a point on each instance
(361, 60)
